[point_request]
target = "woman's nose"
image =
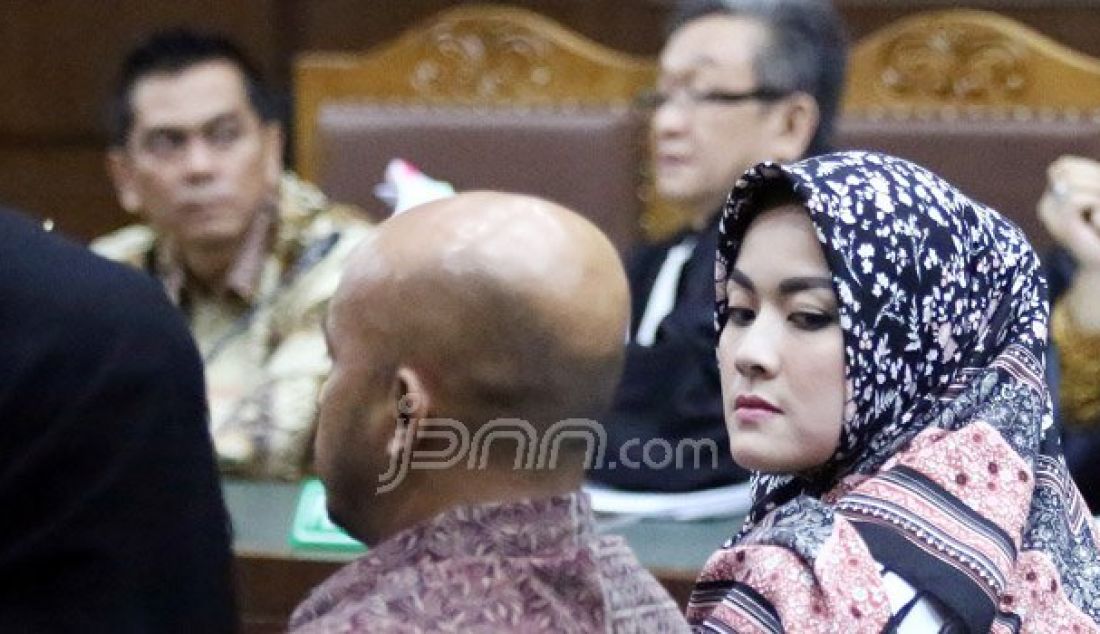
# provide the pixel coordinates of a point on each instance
(756, 352)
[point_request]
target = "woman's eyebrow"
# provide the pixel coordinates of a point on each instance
(793, 285)
(789, 286)
(742, 280)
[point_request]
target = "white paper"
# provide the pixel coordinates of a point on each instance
(727, 501)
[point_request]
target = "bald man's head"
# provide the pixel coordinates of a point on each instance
(508, 306)
(480, 307)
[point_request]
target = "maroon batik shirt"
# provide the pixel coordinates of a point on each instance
(531, 566)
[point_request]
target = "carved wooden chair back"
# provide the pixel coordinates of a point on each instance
(487, 97)
(977, 97)
(961, 62)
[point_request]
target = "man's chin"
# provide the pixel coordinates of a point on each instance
(337, 517)
(214, 238)
(678, 191)
(689, 201)
(334, 514)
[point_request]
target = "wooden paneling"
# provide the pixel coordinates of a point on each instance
(1074, 24)
(269, 587)
(632, 26)
(638, 26)
(67, 184)
(962, 60)
(59, 57)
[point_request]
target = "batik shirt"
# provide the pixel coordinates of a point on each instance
(948, 473)
(1080, 370)
(532, 566)
(261, 339)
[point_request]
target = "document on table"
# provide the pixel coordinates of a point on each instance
(726, 501)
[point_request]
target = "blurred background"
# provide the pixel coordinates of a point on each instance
(58, 57)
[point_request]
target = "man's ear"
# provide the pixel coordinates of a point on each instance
(122, 176)
(794, 122)
(412, 403)
(274, 146)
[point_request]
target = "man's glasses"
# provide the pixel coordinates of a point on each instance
(654, 99)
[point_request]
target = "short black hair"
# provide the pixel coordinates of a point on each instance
(806, 50)
(174, 51)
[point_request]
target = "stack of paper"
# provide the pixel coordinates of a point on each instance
(728, 501)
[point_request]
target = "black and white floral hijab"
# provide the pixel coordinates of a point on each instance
(944, 316)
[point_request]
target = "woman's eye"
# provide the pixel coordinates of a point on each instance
(741, 316)
(811, 321)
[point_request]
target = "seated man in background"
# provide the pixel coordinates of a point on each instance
(1070, 211)
(740, 81)
(250, 256)
(113, 517)
(489, 317)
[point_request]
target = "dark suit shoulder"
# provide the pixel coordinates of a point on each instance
(57, 280)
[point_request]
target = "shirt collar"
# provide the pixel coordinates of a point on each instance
(560, 526)
(509, 529)
(242, 280)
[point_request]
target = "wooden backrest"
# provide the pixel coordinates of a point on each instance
(487, 97)
(980, 99)
(975, 96)
(955, 63)
(473, 55)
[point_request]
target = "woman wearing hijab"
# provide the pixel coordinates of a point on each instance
(882, 345)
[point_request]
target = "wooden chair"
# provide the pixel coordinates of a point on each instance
(485, 97)
(978, 98)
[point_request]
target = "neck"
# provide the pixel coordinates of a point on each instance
(700, 213)
(210, 265)
(426, 494)
(701, 221)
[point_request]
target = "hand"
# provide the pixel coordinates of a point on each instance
(1070, 208)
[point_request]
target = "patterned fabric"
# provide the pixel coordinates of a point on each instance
(533, 566)
(948, 470)
(1080, 427)
(1080, 370)
(263, 349)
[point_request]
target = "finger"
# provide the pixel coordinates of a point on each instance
(1076, 203)
(1084, 246)
(1052, 219)
(1058, 190)
(1078, 173)
(1046, 206)
(1068, 219)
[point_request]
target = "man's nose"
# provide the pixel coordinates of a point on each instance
(669, 119)
(199, 159)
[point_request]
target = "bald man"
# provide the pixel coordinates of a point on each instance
(475, 341)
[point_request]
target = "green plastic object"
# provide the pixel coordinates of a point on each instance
(312, 528)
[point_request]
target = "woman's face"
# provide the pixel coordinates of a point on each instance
(781, 353)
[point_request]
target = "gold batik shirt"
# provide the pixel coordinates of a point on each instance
(1079, 354)
(261, 339)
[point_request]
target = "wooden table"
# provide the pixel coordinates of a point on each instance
(272, 577)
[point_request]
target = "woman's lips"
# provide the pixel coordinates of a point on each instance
(754, 409)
